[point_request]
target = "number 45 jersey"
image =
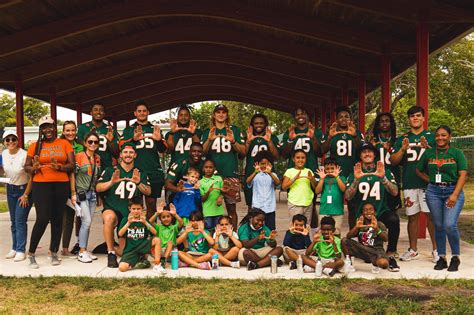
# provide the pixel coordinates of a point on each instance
(116, 197)
(304, 143)
(411, 158)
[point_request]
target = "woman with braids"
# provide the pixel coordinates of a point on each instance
(49, 161)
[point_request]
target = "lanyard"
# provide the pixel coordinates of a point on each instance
(329, 184)
(438, 162)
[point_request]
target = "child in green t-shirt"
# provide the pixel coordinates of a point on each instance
(198, 240)
(136, 231)
(212, 198)
(166, 233)
(325, 247)
(331, 186)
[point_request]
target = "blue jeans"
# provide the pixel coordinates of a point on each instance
(445, 219)
(88, 208)
(211, 222)
(18, 216)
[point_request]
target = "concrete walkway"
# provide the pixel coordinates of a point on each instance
(420, 268)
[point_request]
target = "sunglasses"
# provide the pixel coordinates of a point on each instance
(92, 141)
(11, 139)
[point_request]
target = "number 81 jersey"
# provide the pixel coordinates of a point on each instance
(116, 197)
(344, 150)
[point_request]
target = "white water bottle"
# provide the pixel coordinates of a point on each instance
(347, 264)
(299, 264)
(319, 268)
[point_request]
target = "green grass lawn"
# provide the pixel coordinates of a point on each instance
(94, 295)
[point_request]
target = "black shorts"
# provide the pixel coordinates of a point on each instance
(366, 253)
(156, 188)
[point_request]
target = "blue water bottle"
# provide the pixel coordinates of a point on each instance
(215, 262)
(174, 259)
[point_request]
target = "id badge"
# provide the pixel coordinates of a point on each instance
(329, 200)
(438, 178)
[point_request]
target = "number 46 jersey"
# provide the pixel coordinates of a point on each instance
(117, 197)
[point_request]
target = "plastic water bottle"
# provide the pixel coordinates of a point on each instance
(274, 264)
(348, 265)
(215, 262)
(174, 259)
(299, 264)
(319, 268)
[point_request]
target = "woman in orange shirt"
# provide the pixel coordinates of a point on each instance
(49, 161)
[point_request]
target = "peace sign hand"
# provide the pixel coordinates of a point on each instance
(380, 172)
(116, 176)
(310, 132)
(291, 132)
(351, 130)
(156, 133)
(212, 134)
(358, 174)
(138, 133)
(136, 176)
(250, 135)
(424, 143)
(268, 135)
(173, 125)
(110, 134)
(333, 130)
(230, 135)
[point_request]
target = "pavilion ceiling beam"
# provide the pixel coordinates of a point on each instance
(229, 11)
(172, 34)
(194, 53)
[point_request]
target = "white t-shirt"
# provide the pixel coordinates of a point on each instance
(14, 166)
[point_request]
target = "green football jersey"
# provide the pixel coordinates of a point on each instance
(221, 152)
(343, 149)
(304, 143)
(103, 150)
(182, 144)
(117, 196)
(448, 163)
(148, 157)
(372, 190)
(137, 234)
(257, 145)
(411, 158)
(384, 156)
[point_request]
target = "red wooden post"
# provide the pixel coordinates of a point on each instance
(362, 104)
(323, 117)
(53, 105)
(78, 113)
(386, 99)
(20, 120)
(333, 108)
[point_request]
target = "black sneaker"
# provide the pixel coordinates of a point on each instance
(252, 265)
(332, 273)
(454, 264)
(100, 249)
(293, 265)
(441, 264)
(280, 262)
(112, 260)
(392, 264)
(163, 262)
(75, 249)
(143, 264)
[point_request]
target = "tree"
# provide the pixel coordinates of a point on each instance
(33, 110)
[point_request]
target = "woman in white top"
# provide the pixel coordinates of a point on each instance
(19, 206)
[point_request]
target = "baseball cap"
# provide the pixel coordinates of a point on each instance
(127, 144)
(368, 146)
(45, 120)
(9, 133)
(220, 107)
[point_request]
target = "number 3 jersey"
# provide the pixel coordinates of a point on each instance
(411, 158)
(304, 143)
(371, 189)
(117, 196)
(103, 150)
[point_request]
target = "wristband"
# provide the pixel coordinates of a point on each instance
(379, 232)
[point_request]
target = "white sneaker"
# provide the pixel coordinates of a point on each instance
(11, 254)
(159, 269)
(235, 264)
(375, 269)
(307, 269)
(328, 272)
(19, 257)
(434, 256)
(84, 258)
(409, 255)
(93, 257)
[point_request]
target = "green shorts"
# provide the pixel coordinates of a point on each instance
(133, 257)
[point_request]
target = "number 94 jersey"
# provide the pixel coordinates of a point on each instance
(411, 158)
(117, 197)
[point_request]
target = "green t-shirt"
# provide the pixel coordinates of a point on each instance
(117, 196)
(301, 193)
(148, 157)
(367, 236)
(384, 156)
(411, 157)
(247, 233)
(167, 233)
(372, 190)
(336, 204)
(104, 149)
(326, 250)
(304, 143)
(209, 207)
(198, 243)
(77, 147)
(222, 153)
(255, 146)
(136, 235)
(182, 144)
(343, 148)
(450, 161)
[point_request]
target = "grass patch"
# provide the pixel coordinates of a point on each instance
(3, 206)
(71, 295)
(3, 190)
(469, 196)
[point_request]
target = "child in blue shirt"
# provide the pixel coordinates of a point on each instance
(296, 240)
(188, 198)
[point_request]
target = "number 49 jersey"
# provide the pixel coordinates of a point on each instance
(117, 197)
(411, 158)
(343, 149)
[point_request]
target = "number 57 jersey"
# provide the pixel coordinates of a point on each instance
(411, 158)
(116, 197)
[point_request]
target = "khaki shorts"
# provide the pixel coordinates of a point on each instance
(306, 211)
(415, 201)
(261, 252)
(323, 260)
(297, 251)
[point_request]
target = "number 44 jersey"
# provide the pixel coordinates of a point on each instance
(116, 197)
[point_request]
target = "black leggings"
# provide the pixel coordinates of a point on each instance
(50, 202)
(68, 224)
(392, 222)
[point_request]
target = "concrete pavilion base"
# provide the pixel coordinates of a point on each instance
(420, 268)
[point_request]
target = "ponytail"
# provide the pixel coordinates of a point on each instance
(39, 143)
(251, 214)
